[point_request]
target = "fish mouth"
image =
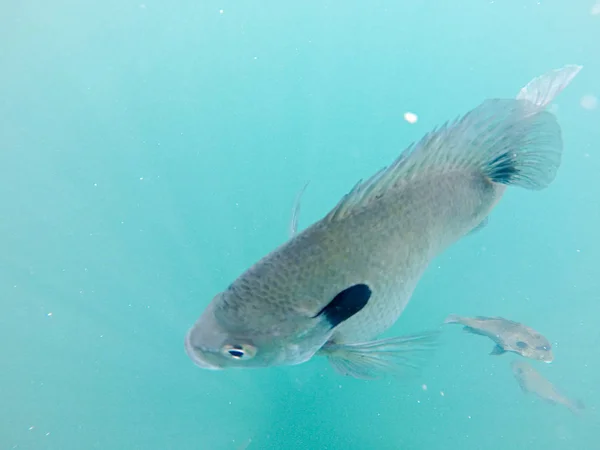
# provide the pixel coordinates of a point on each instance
(195, 354)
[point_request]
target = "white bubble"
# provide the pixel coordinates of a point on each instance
(589, 101)
(221, 11)
(410, 117)
(424, 387)
(442, 393)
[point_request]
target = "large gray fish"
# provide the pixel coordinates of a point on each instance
(530, 380)
(508, 335)
(337, 285)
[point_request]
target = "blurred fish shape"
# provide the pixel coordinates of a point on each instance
(530, 380)
(509, 336)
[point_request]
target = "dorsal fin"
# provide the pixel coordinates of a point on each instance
(510, 141)
(293, 228)
(455, 146)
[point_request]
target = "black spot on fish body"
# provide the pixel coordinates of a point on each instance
(522, 345)
(346, 304)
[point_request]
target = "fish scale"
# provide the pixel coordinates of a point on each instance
(408, 250)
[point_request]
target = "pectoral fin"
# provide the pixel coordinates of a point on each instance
(523, 386)
(371, 360)
(497, 350)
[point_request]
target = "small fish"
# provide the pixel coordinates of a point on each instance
(532, 381)
(333, 288)
(509, 336)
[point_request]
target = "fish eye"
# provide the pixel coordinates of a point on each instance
(239, 351)
(522, 344)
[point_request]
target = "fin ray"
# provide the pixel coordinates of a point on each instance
(293, 228)
(543, 89)
(375, 359)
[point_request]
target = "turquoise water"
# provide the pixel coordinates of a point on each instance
(151, 151)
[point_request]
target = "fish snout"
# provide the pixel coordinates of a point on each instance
(197, 354)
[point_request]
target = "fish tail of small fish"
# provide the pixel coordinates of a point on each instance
(454, 318)
(576, 406)
(542, 90)
(376, 359)
(245, 444)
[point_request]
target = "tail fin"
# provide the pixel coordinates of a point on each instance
(543, 89)
(510, 141)
(537, 139)
(453, 318)
(523, 148)
(576, 406)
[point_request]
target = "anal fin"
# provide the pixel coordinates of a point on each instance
(523, 386)
(479, 227)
